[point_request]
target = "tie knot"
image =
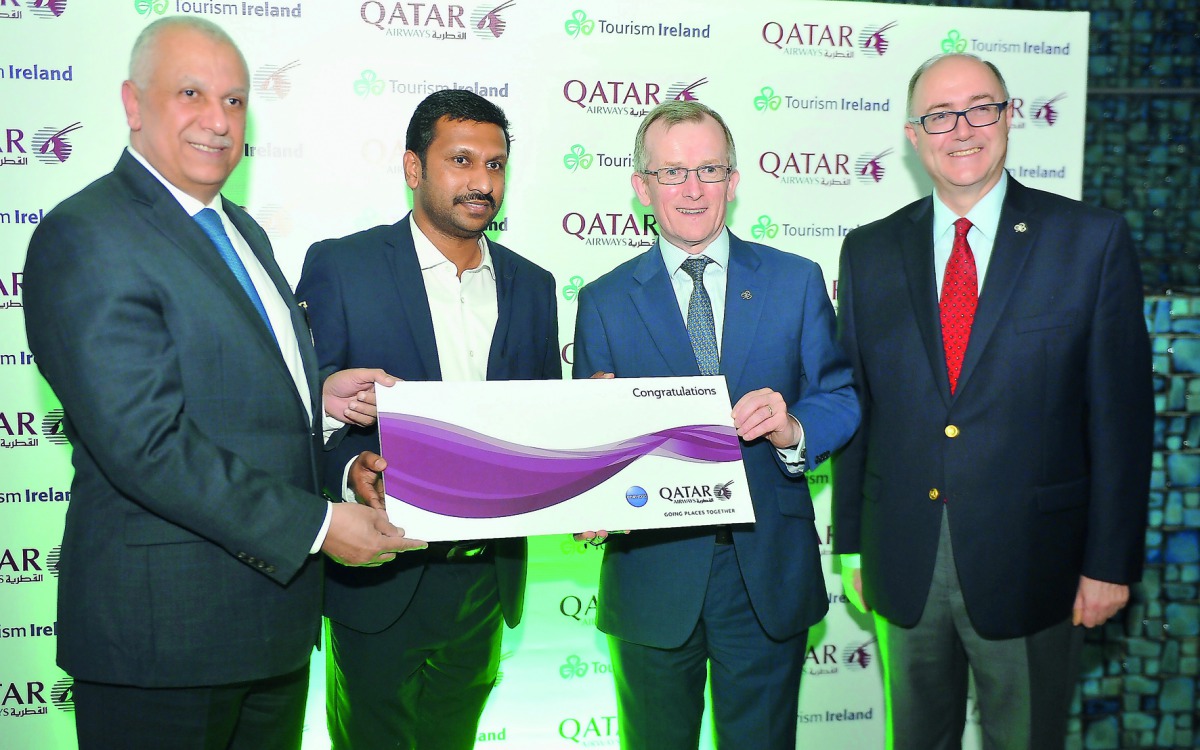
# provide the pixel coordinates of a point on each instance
(961, 227)
(209, 220)
(694, 266)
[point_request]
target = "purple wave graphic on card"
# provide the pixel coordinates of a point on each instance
(453, 471)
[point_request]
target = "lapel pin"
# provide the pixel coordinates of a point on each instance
(1020, 227)
(746, 294)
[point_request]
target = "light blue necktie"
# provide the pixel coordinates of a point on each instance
(701, 329)
(210, 222)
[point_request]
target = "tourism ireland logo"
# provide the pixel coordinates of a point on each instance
(579, 25)
(150, 7)
(577, 158)
(954, 43)
(767, 99)
(765, 229)
(571, 289)
(368, 84)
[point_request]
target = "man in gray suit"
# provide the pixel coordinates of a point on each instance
(190, 593)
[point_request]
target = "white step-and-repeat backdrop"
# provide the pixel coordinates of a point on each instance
(813, 91)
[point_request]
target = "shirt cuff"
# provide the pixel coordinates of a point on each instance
(347, 493)
(324, 532)
(793, 457)
(330, 425)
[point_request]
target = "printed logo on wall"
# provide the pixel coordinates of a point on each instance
(575, 667)
(18, 429)
(275, 220)
(581, 609)
(769, 100)
(829, 658)
(627, 98)
(578, 158)
(869, 169)
(612, 229)
(579, 24)
(30, 496)
(1046, 110)
(20, 699)
(831, 41)
(49, 145)
(570, 290)
(150, 8)
(370, 83)
(47, 8)
(272, 82)
(590, 731)
(956, 42)
(443, 22)
(20, 565)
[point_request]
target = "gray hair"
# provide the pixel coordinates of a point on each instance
(912, 83)
(673, 113)
(141, 59)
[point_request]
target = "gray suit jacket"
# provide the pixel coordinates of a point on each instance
(185, 554)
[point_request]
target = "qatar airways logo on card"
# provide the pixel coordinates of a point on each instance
(50, 145)
(628, 98)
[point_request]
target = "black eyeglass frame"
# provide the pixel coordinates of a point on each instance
(923, 119)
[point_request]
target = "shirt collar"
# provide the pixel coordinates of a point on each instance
(428, 256)
(717, 251)
(191, 205)
(984, 215)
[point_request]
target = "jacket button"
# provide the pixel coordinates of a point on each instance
(951, 431)
(934, 494)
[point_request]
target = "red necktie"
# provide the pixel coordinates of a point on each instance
(960, 297)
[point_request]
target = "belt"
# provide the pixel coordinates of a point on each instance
(459, 551)
(724, 534)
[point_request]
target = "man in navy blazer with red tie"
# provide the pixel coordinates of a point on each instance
(739, 600)
(997, 488)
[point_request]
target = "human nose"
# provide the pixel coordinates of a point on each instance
(214, 117)
(962, 128)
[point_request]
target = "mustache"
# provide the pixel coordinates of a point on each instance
(474, 197)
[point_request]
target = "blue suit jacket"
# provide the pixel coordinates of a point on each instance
(368, 307)
(1047, 473)
(195, 497)
(778, 333)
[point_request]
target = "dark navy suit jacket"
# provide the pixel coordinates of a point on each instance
(367, 304)
(1042, 455)
(778, 333)
(195, 498)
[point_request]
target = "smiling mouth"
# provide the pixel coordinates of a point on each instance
(966, 151)
(691, 211)
(208, 149)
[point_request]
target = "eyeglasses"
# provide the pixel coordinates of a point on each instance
(936, 123)
(679, 175)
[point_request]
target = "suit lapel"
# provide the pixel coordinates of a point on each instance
(745, 300)
(1010, 251)
(654, 299)
(916, 248)
(505, 284)
(410, 288)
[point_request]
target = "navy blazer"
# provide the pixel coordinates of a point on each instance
(195, 497)
(778, 333)
(368, 307)
(1042, 455)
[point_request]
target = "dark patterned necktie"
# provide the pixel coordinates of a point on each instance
(701, 329)
(960, 297)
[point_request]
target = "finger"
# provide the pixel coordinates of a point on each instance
(603, 375)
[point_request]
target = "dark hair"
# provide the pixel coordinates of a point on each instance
(455, 104)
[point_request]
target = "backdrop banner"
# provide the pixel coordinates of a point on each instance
(814, 93)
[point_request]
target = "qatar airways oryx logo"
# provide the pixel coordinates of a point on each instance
(43, 9)
(274, 82)
(828, 40)
(829, 658)
(440, 21)
(631, 98)
(1046, 110)
(48, 145)
(869, 168)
